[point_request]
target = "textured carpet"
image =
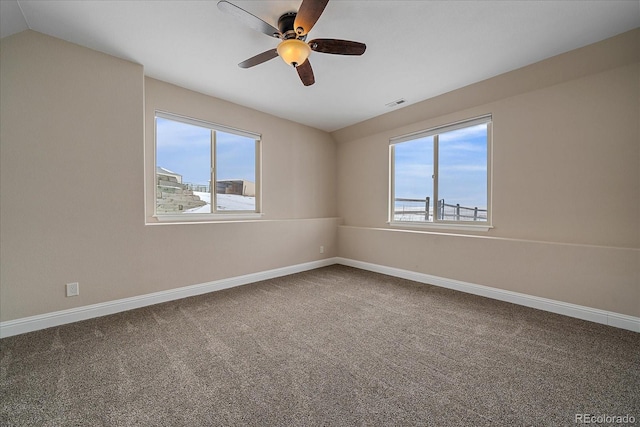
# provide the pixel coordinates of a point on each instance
(333, 346)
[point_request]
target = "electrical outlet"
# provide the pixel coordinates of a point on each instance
(321, 249)
(73, 289)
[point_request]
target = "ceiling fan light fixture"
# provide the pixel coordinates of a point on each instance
(293, 51)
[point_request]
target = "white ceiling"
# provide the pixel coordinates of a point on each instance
(415, 49)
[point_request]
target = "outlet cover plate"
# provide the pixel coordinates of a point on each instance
(73, 289)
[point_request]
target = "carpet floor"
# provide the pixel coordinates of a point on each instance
(334, 346)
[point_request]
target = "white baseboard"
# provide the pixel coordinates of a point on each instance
(610, 318)
(57, 318)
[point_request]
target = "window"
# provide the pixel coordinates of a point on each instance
(204, 169)
(442, 175)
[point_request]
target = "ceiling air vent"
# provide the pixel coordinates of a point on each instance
(396, 102)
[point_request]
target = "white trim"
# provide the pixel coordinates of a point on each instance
(604, 317)
(57, 318)
(206, 217)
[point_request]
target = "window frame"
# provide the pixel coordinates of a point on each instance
(435, 132)
(216, 215)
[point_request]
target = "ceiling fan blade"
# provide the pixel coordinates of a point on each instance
(308, 14)
(337, 47)
(248, 19)
(306, 73)
(259, 58)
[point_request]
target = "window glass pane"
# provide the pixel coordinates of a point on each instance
(462, 174)
(183, 168)
(413, 180)
(236, 172)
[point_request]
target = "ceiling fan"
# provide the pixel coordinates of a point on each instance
(293, 28)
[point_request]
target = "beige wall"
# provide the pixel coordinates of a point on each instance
(72, 181)
(566, 182)
(566, 196)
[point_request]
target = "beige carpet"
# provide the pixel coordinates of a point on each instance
(334, 346)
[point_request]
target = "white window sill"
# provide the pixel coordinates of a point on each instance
(206, 218)
(441, 226)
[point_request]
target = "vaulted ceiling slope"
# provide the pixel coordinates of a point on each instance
(415, 49)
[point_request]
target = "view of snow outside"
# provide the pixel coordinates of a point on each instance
(186, 149)
(462, 174)
(226, 202)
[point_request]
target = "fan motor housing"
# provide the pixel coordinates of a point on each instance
(285, 25)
